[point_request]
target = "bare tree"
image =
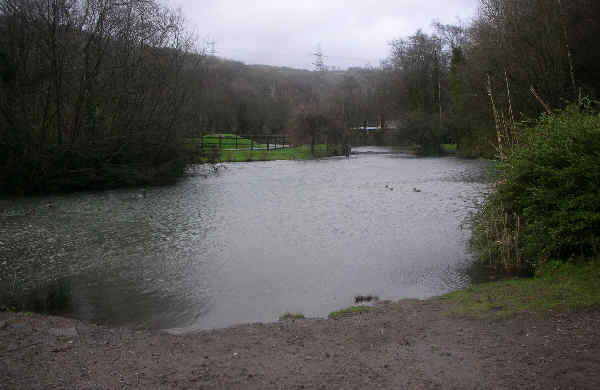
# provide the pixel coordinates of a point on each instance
(90, 90)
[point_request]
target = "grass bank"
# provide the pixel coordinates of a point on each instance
(336, 315)
(291, 316)
(302, 152)
(556, 287)
(540, 218)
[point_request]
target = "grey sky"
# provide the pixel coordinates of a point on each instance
(285, 33)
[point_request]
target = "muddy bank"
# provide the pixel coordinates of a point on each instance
(408, 344)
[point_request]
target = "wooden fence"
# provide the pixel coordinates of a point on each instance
(246, 142)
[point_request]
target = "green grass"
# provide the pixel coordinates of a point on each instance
(296, 153)
(448, 148)
(350, 310)
(291, 316)
(211, 145)
(557, 287)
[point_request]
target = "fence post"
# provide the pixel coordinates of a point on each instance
(220, 141)
(236, 141)
(251, 144)
(268, 139)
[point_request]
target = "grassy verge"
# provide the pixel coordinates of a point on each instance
(291, 316)
(556, 287)
(296, 153)
(350, 310)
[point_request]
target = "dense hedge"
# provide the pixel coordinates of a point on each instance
(545, 203)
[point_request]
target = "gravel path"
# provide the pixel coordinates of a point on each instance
(402, 345)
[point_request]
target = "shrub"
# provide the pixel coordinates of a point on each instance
(336, 315)
(291, 316)
(545, 203)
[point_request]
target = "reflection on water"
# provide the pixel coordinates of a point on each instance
(258, 240)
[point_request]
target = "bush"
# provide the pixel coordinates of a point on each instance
(545, 203)
(119, 161)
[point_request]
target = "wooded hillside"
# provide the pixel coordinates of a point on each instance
(96, 94)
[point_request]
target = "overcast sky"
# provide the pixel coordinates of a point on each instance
(286, 33)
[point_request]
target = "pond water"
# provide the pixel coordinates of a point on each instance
(250, 243)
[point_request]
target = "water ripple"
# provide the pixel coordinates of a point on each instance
(258, 240)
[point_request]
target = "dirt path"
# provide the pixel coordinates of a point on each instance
(403, 345)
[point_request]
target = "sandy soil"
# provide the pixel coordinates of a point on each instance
(403, 345)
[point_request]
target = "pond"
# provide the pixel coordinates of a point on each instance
(250, 243)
